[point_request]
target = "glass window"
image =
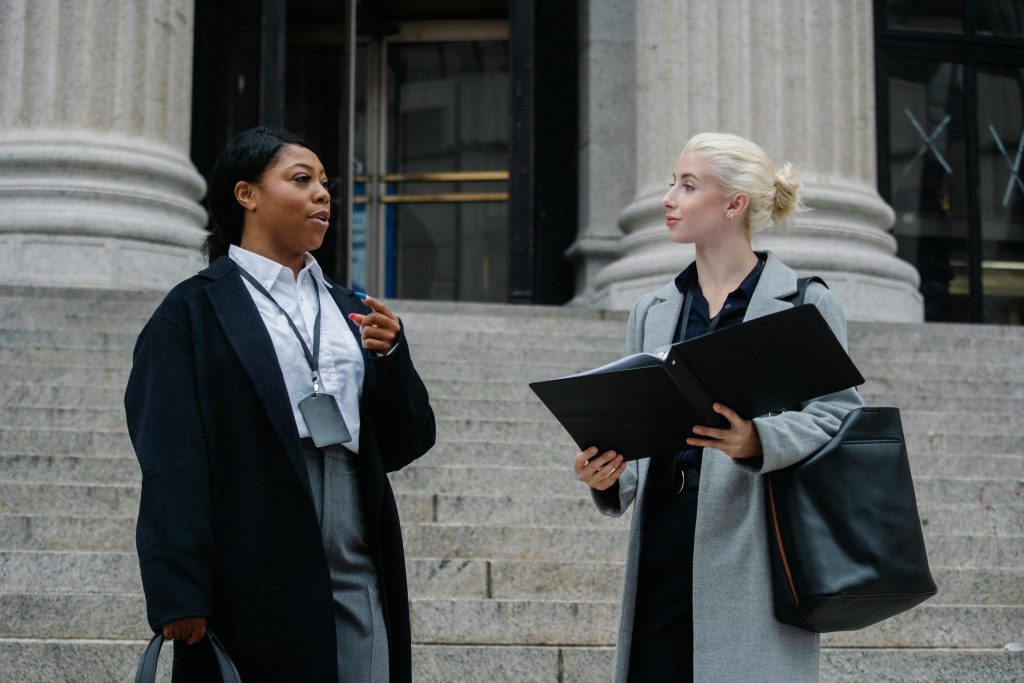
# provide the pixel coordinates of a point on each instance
(936, 15)
(927, 171)
(1001, 157)
(1001, 17)
(951, 155)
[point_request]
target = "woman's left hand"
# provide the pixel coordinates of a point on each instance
(378, 329)
(739, 441)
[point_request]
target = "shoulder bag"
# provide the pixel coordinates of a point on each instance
(845, 539)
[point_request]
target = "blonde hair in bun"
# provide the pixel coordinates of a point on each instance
(739, 165)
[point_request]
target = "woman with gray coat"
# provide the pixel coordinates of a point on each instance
(697, 603)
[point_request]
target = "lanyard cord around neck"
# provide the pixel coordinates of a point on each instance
(313, 358)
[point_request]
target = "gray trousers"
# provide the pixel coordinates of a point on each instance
(358, 615)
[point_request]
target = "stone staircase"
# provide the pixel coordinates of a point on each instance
(513, 575)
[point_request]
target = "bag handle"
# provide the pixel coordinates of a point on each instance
(147, 667)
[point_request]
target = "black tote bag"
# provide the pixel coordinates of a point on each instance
(845, 538)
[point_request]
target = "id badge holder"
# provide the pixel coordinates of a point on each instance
(324, 420)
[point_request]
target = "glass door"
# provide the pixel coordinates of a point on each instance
(430, 167)
(951, 147)
(1001, 193)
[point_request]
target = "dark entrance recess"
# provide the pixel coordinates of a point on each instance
(255, 63)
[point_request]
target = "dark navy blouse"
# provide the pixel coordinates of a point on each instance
(700, 320)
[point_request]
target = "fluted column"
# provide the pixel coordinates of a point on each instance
(607, 126)
(96, 186)
(795, 76)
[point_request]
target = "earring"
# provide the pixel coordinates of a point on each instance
(728, 214)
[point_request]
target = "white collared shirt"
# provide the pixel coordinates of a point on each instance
(341, 358)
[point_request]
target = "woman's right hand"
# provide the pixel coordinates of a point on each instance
(599, 471)
(193, 630)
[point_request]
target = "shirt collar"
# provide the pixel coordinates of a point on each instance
(747, 287)
(268, 272)
(684, 278)
(749, 283)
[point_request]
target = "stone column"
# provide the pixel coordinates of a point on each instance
(797, 77)
(607, 126)
(96, 186)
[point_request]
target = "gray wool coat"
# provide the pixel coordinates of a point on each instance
(735, 634)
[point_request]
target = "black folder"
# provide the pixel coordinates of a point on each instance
(645, 405)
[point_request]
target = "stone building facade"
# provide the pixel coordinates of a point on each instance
(98, 185)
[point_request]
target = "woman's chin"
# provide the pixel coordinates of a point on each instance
(315, 242)
(680, 237)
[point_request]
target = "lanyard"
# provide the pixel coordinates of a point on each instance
(313, 358)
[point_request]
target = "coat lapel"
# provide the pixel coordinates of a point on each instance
(777, 282)
(248, 336)
(660, 323)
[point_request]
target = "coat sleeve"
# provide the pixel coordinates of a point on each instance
(614, 500)
(404, 420)
(791, 436)
(173, 535)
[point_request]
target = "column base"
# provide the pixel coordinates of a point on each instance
(69, 260)
(85, 209)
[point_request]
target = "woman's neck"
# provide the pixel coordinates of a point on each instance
(723, 266)
(294, 262)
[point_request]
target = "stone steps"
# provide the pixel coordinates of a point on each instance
(493, 505)
(590, 541)
(66, 532)
(99, 661)
(519, 622)
(83, 573)
(907, 393)
(55, 442)
(20, 404)
(993, 543)
(451, 470)
(512, 348)
(914, 665)
(474, 441)
(46, 660)
(507, 399)
(504, 587)
(938, 499)
(929, 432)
(467, 621)
(949, 454)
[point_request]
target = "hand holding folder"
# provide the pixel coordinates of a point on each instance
(646, 404)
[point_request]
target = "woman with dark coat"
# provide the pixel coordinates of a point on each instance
(266, 405)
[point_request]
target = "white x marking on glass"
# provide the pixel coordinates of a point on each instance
(1014, 165)
(929, 142)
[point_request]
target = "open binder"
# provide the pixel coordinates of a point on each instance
(646, 404)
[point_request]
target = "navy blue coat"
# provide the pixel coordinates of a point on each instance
(227, 529)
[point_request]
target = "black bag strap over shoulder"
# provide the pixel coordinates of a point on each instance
(801, 289)
(147, 666)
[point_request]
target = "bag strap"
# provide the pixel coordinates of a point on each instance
(147, 666)
(801, 289)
